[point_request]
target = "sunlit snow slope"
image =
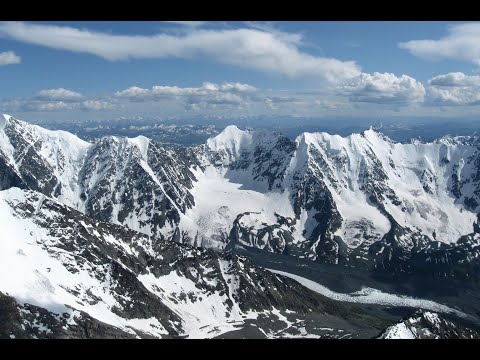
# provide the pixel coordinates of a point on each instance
(53, 257)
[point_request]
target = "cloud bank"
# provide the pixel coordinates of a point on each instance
(455, 89)
(57, 100)
(193, 97)
(261, 50)
(384, 88)
(381, 93)
(461, 43)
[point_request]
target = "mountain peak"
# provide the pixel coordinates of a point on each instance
(232, 130)
(230, 137)
(371, 130)
(374, 133)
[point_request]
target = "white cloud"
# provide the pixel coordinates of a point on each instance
(384, 88)
(86, 105)
(176, 91)
(461, 43)
(8, 58)
(194, 98)
(134, 92)
(378, 95)
(230, 87)
(58, 100)
(59, 94)
(207, 89)
(455, 89)
(455, 79)
(261, 50)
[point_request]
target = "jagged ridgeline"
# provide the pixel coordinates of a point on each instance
(131, 238)
(360, 200)
(428, 325)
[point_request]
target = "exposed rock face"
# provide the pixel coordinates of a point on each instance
(33, 322)
(77, 277)
(428, 325)
(360, 201)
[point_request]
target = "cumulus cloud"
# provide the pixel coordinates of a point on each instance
(33, 105)
(59, 94)
(133, 93)
(229, 87)
(455, 79)
(59, 100)
(461, 43)
(455, 89)
(8, 58)
(384, 88)
(208, 93)
(261, 50)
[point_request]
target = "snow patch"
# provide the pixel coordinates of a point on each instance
(398, 331)
(142, 143)
(218, 202)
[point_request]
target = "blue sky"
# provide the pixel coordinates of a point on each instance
(104, 70)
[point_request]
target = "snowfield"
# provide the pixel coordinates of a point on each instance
(219, 201)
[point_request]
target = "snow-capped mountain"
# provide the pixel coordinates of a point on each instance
(128, 238)
(360, 200)
(428, 325)
(100, 179)
(72, 276)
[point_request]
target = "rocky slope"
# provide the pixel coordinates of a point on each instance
(428, 325)
(72, 276)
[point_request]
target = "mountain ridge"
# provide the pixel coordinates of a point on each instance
(70, 271)
(130, 238)
(359, 200)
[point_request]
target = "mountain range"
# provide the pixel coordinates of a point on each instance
(130, 237)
